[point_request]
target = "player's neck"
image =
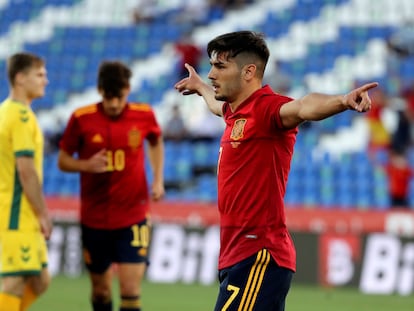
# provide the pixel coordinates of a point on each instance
(244, 94)
(20, 97)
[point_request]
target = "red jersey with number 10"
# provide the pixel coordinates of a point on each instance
(118, 197)
(254, 164)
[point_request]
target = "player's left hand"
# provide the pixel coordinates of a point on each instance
(358, 99)
(192, 84)
(157, 191)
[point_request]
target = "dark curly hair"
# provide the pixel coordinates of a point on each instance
(113, 77)
(244, 45)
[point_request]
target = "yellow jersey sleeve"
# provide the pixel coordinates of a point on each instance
(20, 135)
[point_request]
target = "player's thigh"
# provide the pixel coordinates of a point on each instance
(132, 256)
(276, 286)
(131, 243)
(98, 249)
(130, 278)
(13, 285)
(101, 283)
(256, 283)
(39, 283)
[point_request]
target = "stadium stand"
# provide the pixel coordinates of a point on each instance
(324, 45)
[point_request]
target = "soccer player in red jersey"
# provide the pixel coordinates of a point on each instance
(105, 142)
(257, 256)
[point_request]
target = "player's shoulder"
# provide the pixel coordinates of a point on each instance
(268, 93)
(140, 107)
(16, 111)
(14, 106)
(85, 110)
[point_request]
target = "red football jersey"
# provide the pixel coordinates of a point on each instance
(118, 197)
(254, 164)
(399, 180)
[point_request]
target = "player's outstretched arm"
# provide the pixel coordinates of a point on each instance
(317, 106)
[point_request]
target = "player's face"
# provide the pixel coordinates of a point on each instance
(114, 106)
(225, 76)
(33, 82)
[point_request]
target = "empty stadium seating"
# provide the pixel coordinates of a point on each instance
(73, 53)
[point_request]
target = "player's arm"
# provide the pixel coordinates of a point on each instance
(95, 164)
(156, 158)
(193, 84)
(316, 106)
(33, 190)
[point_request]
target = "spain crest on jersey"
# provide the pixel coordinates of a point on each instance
(134, 138)
(237, 131)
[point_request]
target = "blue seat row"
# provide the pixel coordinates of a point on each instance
(73, 55)
(24, 10)
(344, 183)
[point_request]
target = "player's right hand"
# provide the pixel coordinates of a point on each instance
(45, 225)
(98, 163)
(191, 84)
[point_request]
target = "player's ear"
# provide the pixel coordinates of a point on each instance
(19, 78)
(249, 71)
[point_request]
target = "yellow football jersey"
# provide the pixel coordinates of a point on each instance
(20, 135)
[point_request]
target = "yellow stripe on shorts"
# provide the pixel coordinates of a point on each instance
(254, 281)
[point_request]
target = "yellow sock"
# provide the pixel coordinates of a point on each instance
(9, 302)
(132, 303)
(28, 298)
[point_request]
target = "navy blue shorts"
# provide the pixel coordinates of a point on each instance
(254, 284)
(102, 247)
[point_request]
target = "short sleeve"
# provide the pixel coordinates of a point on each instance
(70, 141)
(23, 140)
(154, 130)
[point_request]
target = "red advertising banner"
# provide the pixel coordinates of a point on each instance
(299, 218)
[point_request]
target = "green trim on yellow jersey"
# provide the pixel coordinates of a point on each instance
(20, 136)
(16, 203)
(24, 153)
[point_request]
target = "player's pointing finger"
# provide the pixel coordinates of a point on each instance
(368, 86)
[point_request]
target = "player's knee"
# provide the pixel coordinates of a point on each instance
(101, 297)
(130, 289)
(101, 294)
(40, 285)
(45, 284)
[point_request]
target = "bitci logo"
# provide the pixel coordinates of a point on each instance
(378, 263)
(339, 254)
(388, 265)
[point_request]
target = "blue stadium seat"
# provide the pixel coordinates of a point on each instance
(24, 10)
(73, 55)
(207, 187)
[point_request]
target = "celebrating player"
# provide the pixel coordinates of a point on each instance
(257, 256)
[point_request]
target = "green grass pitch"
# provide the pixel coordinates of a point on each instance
(72, 294)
